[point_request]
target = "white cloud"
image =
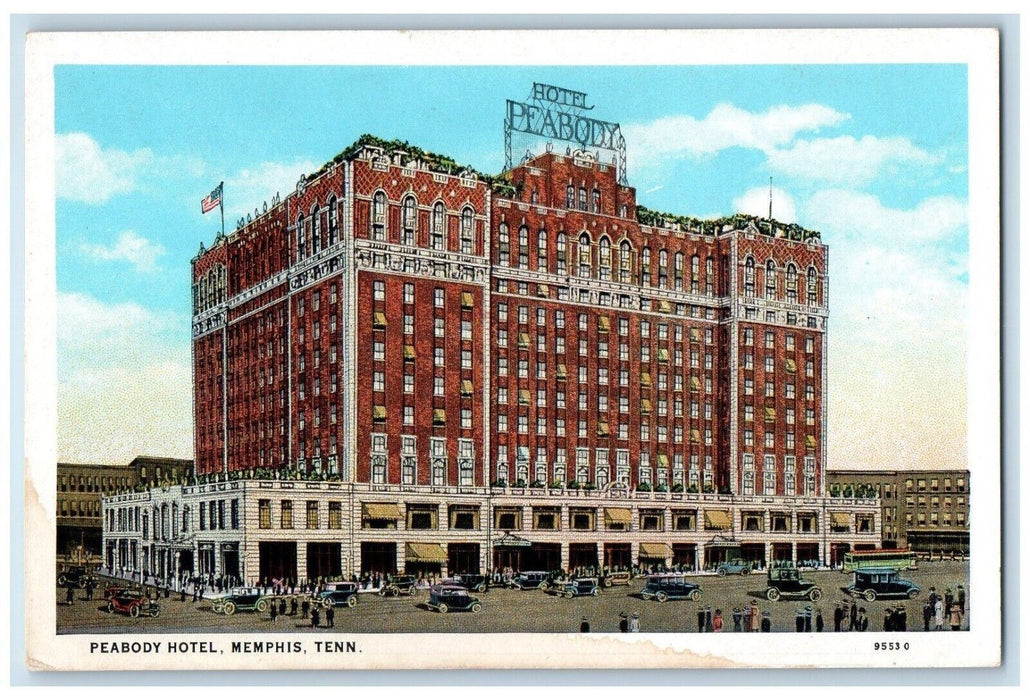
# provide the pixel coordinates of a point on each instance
(756, 202)
(845, 159)
(124, 381)
(861, 216)
(248, 188)
(726, 126)
(141, 253)
(87, 173)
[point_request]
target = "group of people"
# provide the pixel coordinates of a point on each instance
(952, 604)
(307, 610)
(627, 623)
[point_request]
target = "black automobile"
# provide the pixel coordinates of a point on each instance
(473, 582)
(77, 576)
(578, 587)
(528, 580)
(399, 585)
(449, 598)
(239, 599)
(663, 587)
(881, 582)
(340, 594)
(786, 582)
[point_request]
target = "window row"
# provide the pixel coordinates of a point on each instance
(408, 233)
(792, 282)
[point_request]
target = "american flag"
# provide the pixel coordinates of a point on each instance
(212, 200)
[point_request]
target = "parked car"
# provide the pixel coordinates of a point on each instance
(473, 582)
(578, 587)
(880, 582)
(452, 598)
(78, 576)
(734, 566)
(239, 599)
(786, 582)
(339, 594)
(663, 587)
(616, 578)
(406, 585)
(133, 602)
(531, 579)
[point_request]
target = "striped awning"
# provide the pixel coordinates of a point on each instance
(523, 340)
(655, 550)
(562, 372)
(695, 334)
(791, 365)
(841, 519)
(379, 413)
(663, 460)
(717, 520)
(602, 429)
(695, 435)
(543, 290)
(645, 379)
(645, 405)
(379, 319)
(466, 387)
(429, 552)
(604, 324)
(409, 352)
(770, 414)
(810, 441)
(439, 416)
(664, 306)
(663, 355)
(466, 300)
(381, 511)
(618, 516)
(524, 396)
(695, 384)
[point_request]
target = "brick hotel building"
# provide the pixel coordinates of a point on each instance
(403, 367)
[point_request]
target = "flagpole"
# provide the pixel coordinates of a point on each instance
(221, 204)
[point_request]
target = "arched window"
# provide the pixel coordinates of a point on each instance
(316, 230)
(437, 233)
(645, 267)
(584, 255)
(596, 200)
(541, 250)
(583, 198)
(709, 275)
(625, 262)
(334, 222)
(770, 280)
(523, 247)
(604, 259)
(695, 273)
(379, 216)
(663, 268)
(467, 229)
(792, 283)
(503, 245)
(813, 286)
(409, 220)
(677, 271)
(301, 240)
(570, 197)
(749, 277)
(561, 251)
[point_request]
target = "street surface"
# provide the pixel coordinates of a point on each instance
(526, 611)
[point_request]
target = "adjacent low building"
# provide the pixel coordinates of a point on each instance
(926, 510)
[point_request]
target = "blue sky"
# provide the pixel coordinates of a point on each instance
(872, 155)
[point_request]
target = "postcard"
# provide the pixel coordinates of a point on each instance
(512, 349)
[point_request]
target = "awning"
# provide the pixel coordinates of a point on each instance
(695, 384)
(645, 379)
(381, 511)
(523, 340)
(791, 365)
(379, 413)
(524, 396)
(663, 460)
(602, 429)
(810, 441)
(770, 414)
(603, 324)
(664, 306)
(717, 520)
(466, 387)
(379, 320)
(409, 352)
(663, 355)
(562, 372)
(425, 552)
(655, 550)
(695, 435)
(645, 405)
(466, 300)
(543, 290)
(617, 516)
(695, 335)
(840, 519)
(439, 416)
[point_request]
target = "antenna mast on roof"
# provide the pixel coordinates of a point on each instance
(770, 198)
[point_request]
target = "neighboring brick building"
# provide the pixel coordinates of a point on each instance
(473, 359)
(81, 486)
(926, 510)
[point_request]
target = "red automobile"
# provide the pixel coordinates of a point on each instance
(133, 602)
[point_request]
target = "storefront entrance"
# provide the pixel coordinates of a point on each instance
(542, 557)
(582, 555)
(617, 556)
(378, 557)
(185, 561)
(684, 556)
(230, 560)
(783, 551)
(277, 560)
(837, 552)
(463, 558)
(754, 552)
(323, 560)
(808, 554)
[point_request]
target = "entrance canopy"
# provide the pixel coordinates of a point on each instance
(425, 552)
(510, 540)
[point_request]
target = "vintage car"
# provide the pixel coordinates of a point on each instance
(78, 576)
(786, 582)
(616, 578)
(881, 582)
(242, 599)
(527, 580)
(663, 587)
(406, 585)
(452, 598)
(578, 587)
(734, 566)
(473, 582)
(338, 594)
(133, 602)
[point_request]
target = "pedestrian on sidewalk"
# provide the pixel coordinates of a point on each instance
(955, 617)
(717, 621)
(584, 625)
(330, 617)
(634, 623)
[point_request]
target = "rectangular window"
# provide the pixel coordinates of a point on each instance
(312, 515)
(286, 515)
(335, 513)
